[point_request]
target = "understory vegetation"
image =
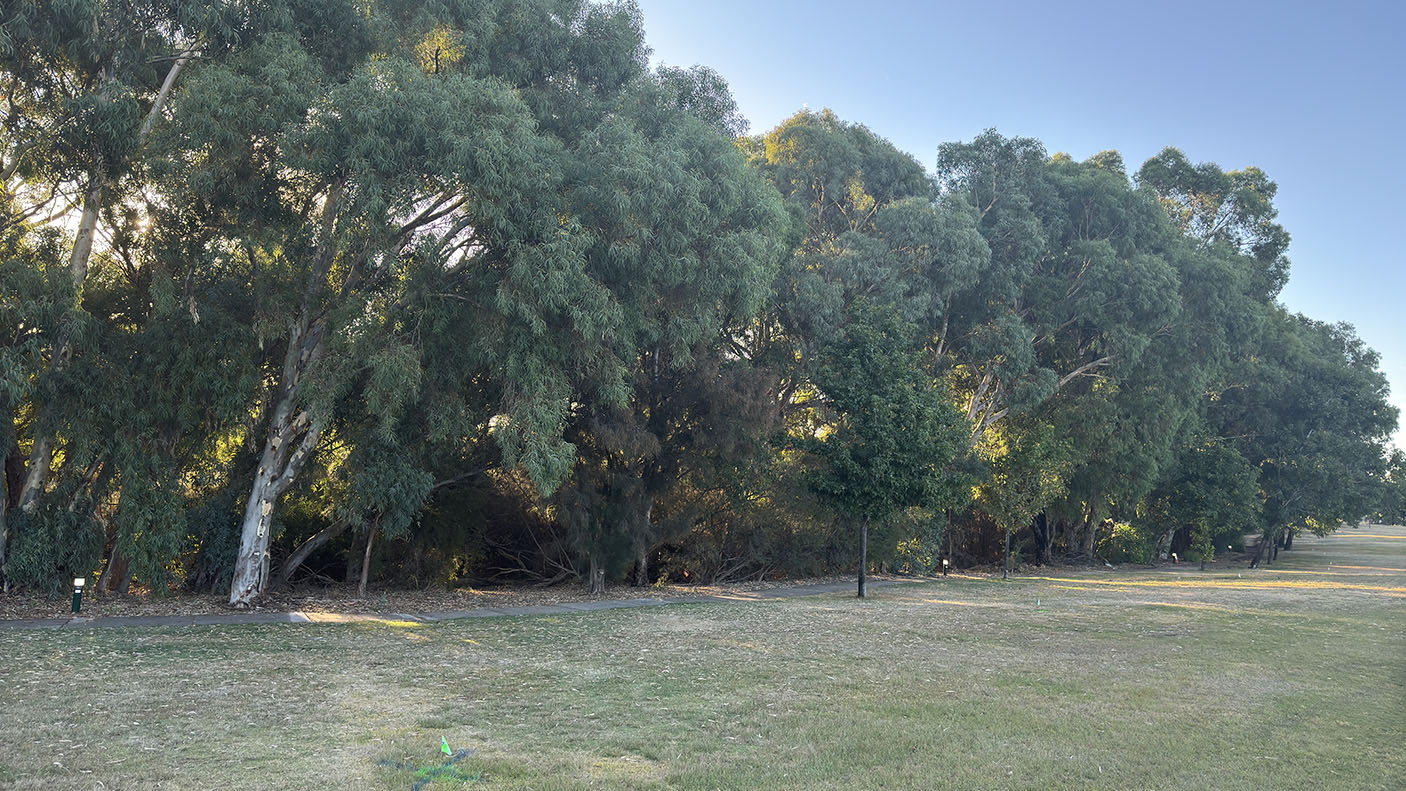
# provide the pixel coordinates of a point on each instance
(424, 293)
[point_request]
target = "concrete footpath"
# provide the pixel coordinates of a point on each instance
(239, 618)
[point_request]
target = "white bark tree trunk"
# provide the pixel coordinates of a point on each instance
(280, 463)
(291, 439)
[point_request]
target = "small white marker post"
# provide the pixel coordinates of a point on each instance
(78, 583)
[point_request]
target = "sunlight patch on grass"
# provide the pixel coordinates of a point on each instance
(1227, 584)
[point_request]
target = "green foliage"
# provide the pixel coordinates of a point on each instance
(52, 546)
(1126, 543)
(1028, 471)
(891, 433)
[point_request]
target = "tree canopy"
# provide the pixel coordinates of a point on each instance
(466, 291)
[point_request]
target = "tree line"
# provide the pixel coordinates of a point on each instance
(463, 290)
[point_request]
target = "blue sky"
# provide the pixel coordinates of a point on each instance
(1314, 93)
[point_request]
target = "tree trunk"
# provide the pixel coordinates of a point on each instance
(642, 533)
(1090, 534)
(864, 559)
(353, 567)
(597, 577)
(1289, 540)
(300, 555)
(114, 568)
(125, 583)
(14, 471)
(1006, 573)
(251, 564)
(280, 463)
(1073, 534)
(278, 466)
(41, 456)
(366, 557)
(1259, 551)
(6, 442)
(641, 564)
(1164, 544)
(1044, 539)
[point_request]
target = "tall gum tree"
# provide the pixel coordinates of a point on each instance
(685, 240)
(1075, 287)
(460, 144)
(85, 85)
(334, 188)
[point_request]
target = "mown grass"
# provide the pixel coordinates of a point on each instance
(1144, 680)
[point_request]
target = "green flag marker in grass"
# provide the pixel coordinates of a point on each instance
(444, 746)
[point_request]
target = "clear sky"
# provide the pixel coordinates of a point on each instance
(1314, 93)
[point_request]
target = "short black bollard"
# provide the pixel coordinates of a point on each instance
(945, 564)
(78, 583)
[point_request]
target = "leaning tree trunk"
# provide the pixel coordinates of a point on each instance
(1289, 540)
(366, 558)
(864, 559)
(1259, 551)
(300, 555)
(113, 570)
(292, 436)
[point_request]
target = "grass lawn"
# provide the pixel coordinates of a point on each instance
(1287, 677)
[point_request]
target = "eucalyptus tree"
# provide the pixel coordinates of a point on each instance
(1301, 400)
(354, 182)
(1211, 493)
(836, 178)
(868, 228)
(1233, 210)
(1313, 418)
(1076, 286)
(86, 84)
(685, 241)
(1130, 428)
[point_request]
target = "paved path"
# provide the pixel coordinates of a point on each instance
(236, 618)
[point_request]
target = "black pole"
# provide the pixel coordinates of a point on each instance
(863, 558)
